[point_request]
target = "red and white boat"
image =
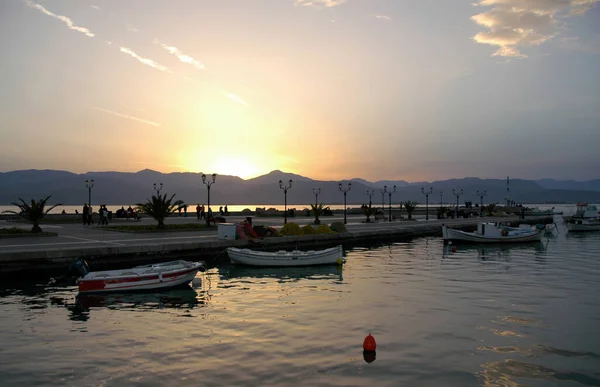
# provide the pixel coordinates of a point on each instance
(146, 277)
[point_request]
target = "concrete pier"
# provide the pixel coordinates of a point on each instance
(109, 249)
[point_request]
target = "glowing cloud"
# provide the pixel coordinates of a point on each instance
(125, 116)
(319, 3)
(234, 98)
(514, 24)
(95, 6)
(62, 18)
(146, 61)
(382, 17)
(182, 57)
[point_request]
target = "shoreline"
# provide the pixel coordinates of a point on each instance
(116, 251)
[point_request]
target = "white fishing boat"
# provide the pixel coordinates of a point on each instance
(249, 257)
(145, 277)
(586, 218)
(488, 232)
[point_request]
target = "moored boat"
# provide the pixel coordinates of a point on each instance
(249, 257)
(586, 218)
(488, 232)
(145, 277)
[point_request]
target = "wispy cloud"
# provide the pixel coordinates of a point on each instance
(145, 61)
(125, 116)
(95, 6)
(62, 18)
(382, 17)
(234, 98)
(182, 57)
(513, 24)
(319, 3)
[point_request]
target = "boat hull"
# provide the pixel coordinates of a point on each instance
(583, 226)
(286, 258)
(452, 235)
(139, 278)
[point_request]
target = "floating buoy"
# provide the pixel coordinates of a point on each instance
(369, 343)
(454, 249)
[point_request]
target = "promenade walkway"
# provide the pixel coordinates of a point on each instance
(75, 240)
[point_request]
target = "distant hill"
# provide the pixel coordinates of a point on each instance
(129, 188)
(591, 185)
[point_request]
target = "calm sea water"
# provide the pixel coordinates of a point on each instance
(493, 316)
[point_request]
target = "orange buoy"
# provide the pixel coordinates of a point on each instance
(454, 249)
(369, 343)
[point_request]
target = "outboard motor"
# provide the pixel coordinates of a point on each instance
(79, 268)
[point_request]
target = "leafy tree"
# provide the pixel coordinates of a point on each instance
(317, 211)
(159, 207)
(410, 207)
(34, 212)
(368, 211)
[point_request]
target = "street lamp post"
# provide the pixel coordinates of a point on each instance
(89, 184)
(208, 183)
(481, 195)
(457, 194)
(370, 194)
(345, 191)
(441, 198)
(158, 188)
(316, 191)
(383, 192)
(427, 193)
(390, 192)
(285, 189)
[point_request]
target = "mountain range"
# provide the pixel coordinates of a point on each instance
(129, 188)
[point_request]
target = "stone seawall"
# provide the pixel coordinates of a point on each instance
(56, 259)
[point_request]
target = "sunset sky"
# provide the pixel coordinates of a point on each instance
(329, 89)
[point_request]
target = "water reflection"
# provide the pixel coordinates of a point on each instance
(504, 373)
(283, 274)
(492, 252)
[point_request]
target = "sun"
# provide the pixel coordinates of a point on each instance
(235, 166)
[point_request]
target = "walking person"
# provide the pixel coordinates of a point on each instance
(221, 211)
(84, 214)
(104, 219)
(90, 213)
(226, 210)
(198, 211)
(202, 212)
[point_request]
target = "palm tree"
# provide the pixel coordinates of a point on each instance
(33, 213)
(410, 207)
(160, 207)
(317, 210)
(368, 211)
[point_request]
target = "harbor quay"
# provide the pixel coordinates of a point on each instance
(103, 249)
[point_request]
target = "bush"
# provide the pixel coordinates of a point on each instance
(324, 229)
(290, 229)
(308, 230)
(246, 211)
(338, 227)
